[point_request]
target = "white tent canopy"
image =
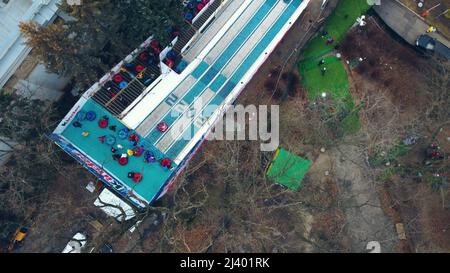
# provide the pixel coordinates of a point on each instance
(76, 244)
(110, 203)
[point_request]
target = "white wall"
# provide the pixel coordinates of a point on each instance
(12, 44)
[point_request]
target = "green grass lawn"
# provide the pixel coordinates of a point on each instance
(335, 80)
(336, 25)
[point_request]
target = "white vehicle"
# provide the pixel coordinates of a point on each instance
(76, 244)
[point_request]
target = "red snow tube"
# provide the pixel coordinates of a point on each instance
(133, 137)
(170, 63)
(137, 151)
(162, 127)
(166, 163)
(117, 78)
(139, 68)
(123, 161)
(155, 46)
(143, 56)
(103, 122)
(200, 6)
(137, 177)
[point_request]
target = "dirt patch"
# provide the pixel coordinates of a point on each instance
(68, 210)
(393, 67)
(423, 209)
(360, 202)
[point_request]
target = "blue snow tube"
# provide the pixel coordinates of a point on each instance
(123, 84)
(188, 16)
(129, 66)
(149, 157)
(191, 5)
(171, 55)
(91, 115)
(123, 133)
(181, 66)
(81, 115)
(110, 140)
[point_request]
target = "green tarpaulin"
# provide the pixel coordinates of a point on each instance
(288, 169)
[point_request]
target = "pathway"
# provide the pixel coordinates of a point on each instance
(405, 22)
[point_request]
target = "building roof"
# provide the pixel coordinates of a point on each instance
(153, 175)
(114, 206)
(13, 49)
(190, 101)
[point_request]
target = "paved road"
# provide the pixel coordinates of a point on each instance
(405, 22)
(360, 202)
